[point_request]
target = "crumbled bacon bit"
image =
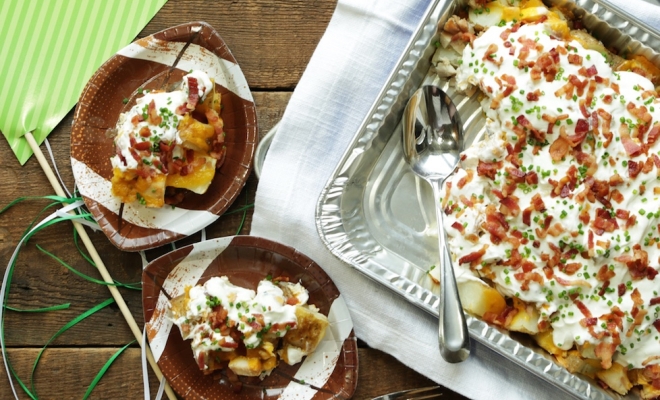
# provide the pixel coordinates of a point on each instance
(605, 351)
(600, 191)
(640, 112)
(615, 87)
(547, 65)
(145, 132)
(605, 273)
(638, 264)
(559, 148)
(495, 224)
(458, 226)
(466, 201)
(575, 59)
(622, 214)
(571, 268)
(581, 130)
(531, 178)
(510, 206)
(592, 71)
(653, 134)
(637, 313)
(455, 24)
(534, 96)
(502, 319)
(488, 169)
(467, 178)
(604, 222)
(528, 277)
(603, 289)
(142, 146)
(153, 116)
(137, 119)
(621, 289)
(537, 203)
(634, 168)
(490, 54)
(193, 93)
(583, 308)
(647, 167)
(632, 148)
(466, 37)
(566, 90)
(616, 180)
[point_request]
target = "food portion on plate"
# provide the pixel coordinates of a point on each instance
(256, 319)
(247, 333)
(169, 141)
(553, 218)
(181, 148)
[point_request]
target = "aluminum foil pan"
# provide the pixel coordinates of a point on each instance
(373, 208)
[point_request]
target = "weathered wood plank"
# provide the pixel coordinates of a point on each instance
(40, 281)
(272, 40)
(66, 374)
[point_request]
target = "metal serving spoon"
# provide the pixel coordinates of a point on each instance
(432, 142)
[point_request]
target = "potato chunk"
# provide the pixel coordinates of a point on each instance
(310, 330)
(616, 378)
(477, 298)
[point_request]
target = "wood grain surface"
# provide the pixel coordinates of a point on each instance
(273, 42)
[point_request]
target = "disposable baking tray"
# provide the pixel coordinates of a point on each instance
(375, 215)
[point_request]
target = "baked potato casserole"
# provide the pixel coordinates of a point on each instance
(553, 219)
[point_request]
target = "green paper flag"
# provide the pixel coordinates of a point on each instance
(50, 49)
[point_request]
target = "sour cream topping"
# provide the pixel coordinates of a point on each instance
(560, 204)
(169, 106)
(252, 313)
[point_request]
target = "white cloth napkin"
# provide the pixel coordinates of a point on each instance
(352, 62)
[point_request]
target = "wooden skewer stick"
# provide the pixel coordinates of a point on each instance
(99, 263)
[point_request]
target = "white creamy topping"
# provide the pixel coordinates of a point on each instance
(204, 84)
(166, 105)
(253, 313)
(526, 108)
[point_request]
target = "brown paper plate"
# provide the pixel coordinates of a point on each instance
(144, 64)
(329, 373)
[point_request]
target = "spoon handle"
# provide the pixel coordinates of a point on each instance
(453, 337)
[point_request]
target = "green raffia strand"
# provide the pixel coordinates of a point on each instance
(132, 285)
(10, 274)
(38, 310)
(82, 253)
(80, 274)
(240, 209)
(102, 371)
(244, 208)
(2, 332)
(66, 327)
(36, 219)
(58, 199)
(20, 382)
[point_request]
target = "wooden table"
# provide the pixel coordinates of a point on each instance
(273, 41)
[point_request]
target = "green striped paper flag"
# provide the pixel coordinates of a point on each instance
(50, 49)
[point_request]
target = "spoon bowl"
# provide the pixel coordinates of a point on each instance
(432, 143)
